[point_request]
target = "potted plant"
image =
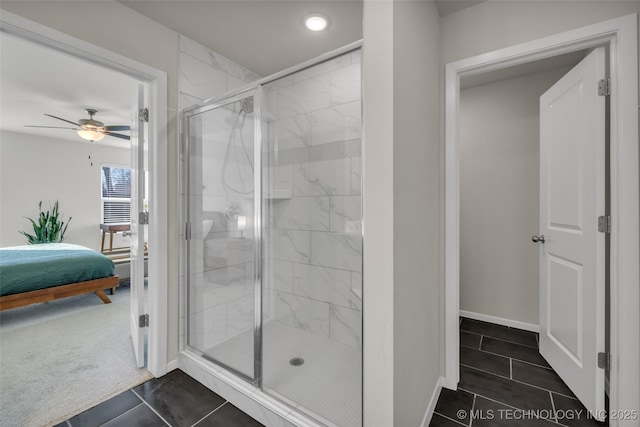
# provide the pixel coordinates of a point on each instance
(49, 227)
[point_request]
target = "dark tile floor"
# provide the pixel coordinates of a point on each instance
(504, 381)
(175, 400)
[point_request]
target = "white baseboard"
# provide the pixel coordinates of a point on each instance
(173, 365)
(500, 321)
(433, 402)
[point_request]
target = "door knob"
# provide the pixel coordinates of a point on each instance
(536, 239)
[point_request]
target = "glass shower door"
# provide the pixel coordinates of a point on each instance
(312, 240)
(223, 277)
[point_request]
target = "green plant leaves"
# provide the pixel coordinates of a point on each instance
(49, 228)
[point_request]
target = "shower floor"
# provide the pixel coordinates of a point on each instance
(327, 386)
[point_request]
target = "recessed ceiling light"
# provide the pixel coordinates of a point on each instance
(316, 22)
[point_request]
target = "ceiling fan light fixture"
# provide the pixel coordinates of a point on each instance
(90, 135)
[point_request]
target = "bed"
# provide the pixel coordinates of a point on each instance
(45, 272)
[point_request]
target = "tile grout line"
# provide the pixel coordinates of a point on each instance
(509, 341)
(548, 368)
(149, 406)
(517, 359)
(198, 422)
(553, 406)
(501, 403)
(473, 405)
(510, 368)
(117, 416)
(450, 419)
(516, 381)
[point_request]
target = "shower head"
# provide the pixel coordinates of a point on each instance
(246, 105)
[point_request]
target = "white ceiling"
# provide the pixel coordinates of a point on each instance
(447, 7)
(35, 80)
(265, 36)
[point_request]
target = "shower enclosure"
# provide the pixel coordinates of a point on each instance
(274, 236)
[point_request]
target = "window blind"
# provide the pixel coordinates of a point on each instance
(116, 195)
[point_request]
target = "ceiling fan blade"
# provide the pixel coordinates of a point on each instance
(64, 120)
(47, 127)
(118, 135)
(123, 127)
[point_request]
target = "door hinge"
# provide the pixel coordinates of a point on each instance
(603, 360)
(143, 218)
(143, 320)
(604, 87)
(143, 115)
(187, 231)
(604, 224)
(182, 143)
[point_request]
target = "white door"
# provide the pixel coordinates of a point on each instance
(137, 226)
(572, 254)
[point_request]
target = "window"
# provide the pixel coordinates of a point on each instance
(116, 195)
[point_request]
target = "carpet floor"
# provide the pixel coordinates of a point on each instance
(60, 358)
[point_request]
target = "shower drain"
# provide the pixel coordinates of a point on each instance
(296, 361)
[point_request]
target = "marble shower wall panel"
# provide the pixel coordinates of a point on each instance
(346, 214)
(301, 213)
(217, 61)
(303, 313)
(324, 178)
(345, 326)
(313, 241)
(205, 74)
(337, 250)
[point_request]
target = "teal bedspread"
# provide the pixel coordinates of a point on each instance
(33, 267)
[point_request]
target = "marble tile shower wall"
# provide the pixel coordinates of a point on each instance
(206, 74)
(221, 282)
(313, 239)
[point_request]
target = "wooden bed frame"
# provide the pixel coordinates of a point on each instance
(96, 286)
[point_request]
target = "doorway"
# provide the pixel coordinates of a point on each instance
(155, 81)
(619, 35)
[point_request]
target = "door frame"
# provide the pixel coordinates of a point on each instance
(620, 36)
(156, 82)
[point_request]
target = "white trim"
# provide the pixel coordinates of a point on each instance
(173, 365)
(253, 401)
(156, 80)
(500, 321)
(621, 36)
(432, 403)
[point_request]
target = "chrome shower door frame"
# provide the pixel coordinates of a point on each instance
(254, 92)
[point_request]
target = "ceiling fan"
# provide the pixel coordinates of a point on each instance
(90, 129)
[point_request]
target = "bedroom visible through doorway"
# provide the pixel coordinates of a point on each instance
(83, 345)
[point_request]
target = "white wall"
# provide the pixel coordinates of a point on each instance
(496, 24)
(416, 188)
(34, 168)
(124, 31)
(401, 224)
(499, 203)
(377, 171)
